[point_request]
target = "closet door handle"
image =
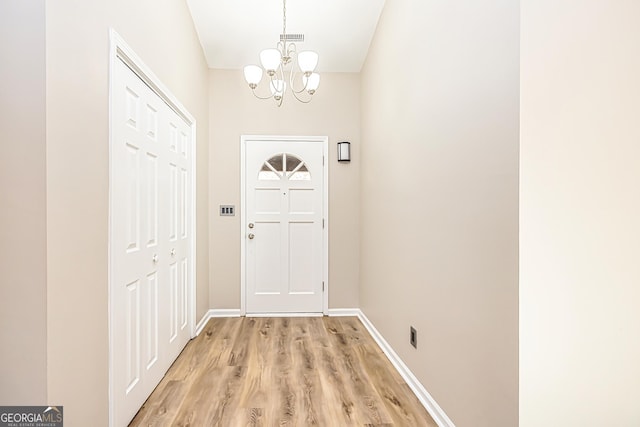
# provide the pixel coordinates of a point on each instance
(173, 251)
(155, 258)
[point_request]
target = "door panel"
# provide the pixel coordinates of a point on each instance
(173, 202)
(151, 321)
(267, 201)
(184, 182)
(301, 201)
(173, 301)
(132, 175)
(284, 204)
(133, 335)
(184, 272)
(301, 258)
(268, 258)
(152, 200)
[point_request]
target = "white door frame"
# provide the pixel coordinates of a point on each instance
(120, 51)
(325, 213)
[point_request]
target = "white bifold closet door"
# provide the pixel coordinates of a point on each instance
(150, 240)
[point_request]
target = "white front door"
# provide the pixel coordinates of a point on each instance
(284, 191)
(150, 240)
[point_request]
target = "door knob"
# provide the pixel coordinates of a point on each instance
(173, 251)
(251, 236)
(155, 258)
(251, 225)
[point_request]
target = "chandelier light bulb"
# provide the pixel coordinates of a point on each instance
(307, 60)
(270, 59)
(253, 75)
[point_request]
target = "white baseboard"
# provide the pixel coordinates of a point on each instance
(341, 312)
(201, 324)
(220, 312)
(225, 312)
(418, 389)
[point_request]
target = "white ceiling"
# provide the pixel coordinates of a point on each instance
(233, 32)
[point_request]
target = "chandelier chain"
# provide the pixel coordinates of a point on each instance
(284, 18)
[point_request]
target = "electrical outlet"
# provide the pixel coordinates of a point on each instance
(413, 338)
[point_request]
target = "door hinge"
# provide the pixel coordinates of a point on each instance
(322, 286)
(322, 160)
(322, 223)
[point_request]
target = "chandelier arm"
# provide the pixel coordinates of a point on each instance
(292, 51)
(278, 75)
(300, 99)
(292, 76)
(281, 68)
(264, 97)
(260, 97)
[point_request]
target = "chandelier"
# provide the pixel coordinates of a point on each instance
(283, 64)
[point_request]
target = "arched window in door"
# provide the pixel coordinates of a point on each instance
(284, 166)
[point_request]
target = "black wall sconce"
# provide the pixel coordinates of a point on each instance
(344, 151)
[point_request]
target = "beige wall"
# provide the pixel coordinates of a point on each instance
(23, 265)
(580, 214)
(162, 34)
(334, 112)
(439, 232)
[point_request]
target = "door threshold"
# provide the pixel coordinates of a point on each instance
(284, 314)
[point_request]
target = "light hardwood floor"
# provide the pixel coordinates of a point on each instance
(319, 371)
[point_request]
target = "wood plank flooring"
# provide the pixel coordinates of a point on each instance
(318, 371)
